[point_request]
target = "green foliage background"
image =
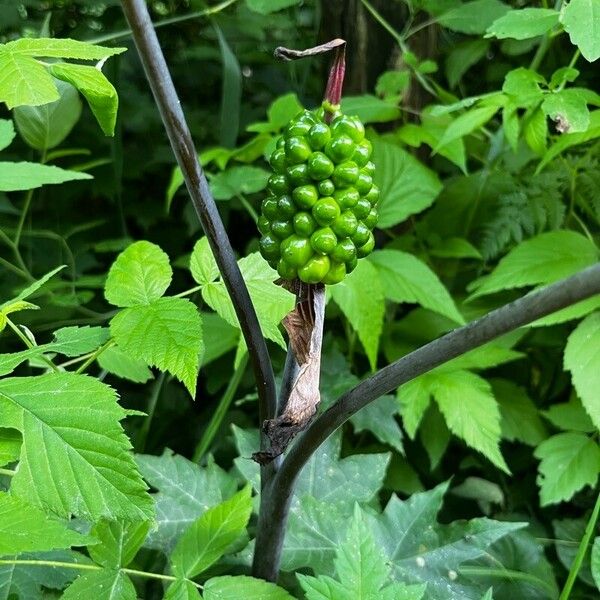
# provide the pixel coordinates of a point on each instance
(127, 412)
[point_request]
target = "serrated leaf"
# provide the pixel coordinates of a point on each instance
(10, 445)
(473, 17)
(535, 131)
(422, 551)
(44, 127)
(543, 259)
(202, 263)
(582, 359)
(414, 398)
(475, 418)
(208, 538)
(19, 176)
(142, 273)
(118, 542)
(520, 420)
(97, 90)
(105, 584)
(231, 587)
(184, 492)
(523, 85)
(405, 278)
(271, 301)
(462, 57)
(407, 186)
(524, 23)
(24, 81)
(182, 589)
(59, 48)
(26, 528)
(7, 133)
(360, 296)
(370, 109)
(570, 416)
(120, 363)
(237, 181)
(166, 333)
(568, 108)
(581, 20)
(75, 457)
(569, 462)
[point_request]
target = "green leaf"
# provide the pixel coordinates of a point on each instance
(59, 48)
(414, 398)
(238, 180)
(568, 108)
(120, 363)
(19, 176)
(360, 296)
(184, 492)
(370, 109)
(523, 24)
(407, 187)
(26, 528)
(141, 274)
(271, 301)
(569, 462)
(475, 418)
(567, 535)
(219, 337)
(378, 418)
(570, 416)
(231, 587)
(31, 289)
(595, 561)
(535, 131)
(10, 445)
(581, 20)
(473, 17)
(44, 127)
(520, 419)
(101, 585)
(7, 133)
(202, 263)
(523, 85)
(23, 81)
(404, 278)
(97, 90)
(282, 109)
(543, 259)
(182, 589)
(462, 57)
(455, 247)
(75, 456)
(166, 333)
(582, 358)
(422, 551)
(208, 538)
(265, 7)
(467, 123)
(118, 542)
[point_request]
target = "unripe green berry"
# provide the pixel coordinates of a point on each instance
(345, 225)
(285, 270)
(298, 174)
(278, 185)
(269, 247)
(363, 152)
(346, 198)
(305, 196)
(361, 235)
(367, 247)
(287, 209)
(296, 250)
(362, 208)
(314, 270)
(364, 183)
(369, 168)
(304, 224)
(326, 187)
(346, 125)
(344, 251)
(282, 229)
(340, 148)
(297, 150)
(345, 174)
(320, 166)
(371, 219)
(318, 136)
(336, 273)
(277, 160)
(323, 240)
(263, 224)
(326, 211)
(373, 195)
(269, 208)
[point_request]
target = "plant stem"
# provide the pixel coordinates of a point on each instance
(125, 33)
(28, 343)
(219, 414)
(152, 402)
(581, 552)
(173, 118)
(87, 567)
(506, 574)
(516, 314)
(8, 472)
(95, 355)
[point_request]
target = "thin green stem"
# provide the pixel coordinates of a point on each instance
(95, 355)
(590, 528)
(222, 408)
(544, 46)
(189, 292)
(249, 208)
(505, 574)
(576, 55)
(125, 33)
(22, 217)
(152, 402)
(8, 472)
(30, 344)
(16, 270)
(88, 567)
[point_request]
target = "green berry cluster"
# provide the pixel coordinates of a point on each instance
(318, 218)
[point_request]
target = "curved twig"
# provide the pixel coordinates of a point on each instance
(169, 106)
